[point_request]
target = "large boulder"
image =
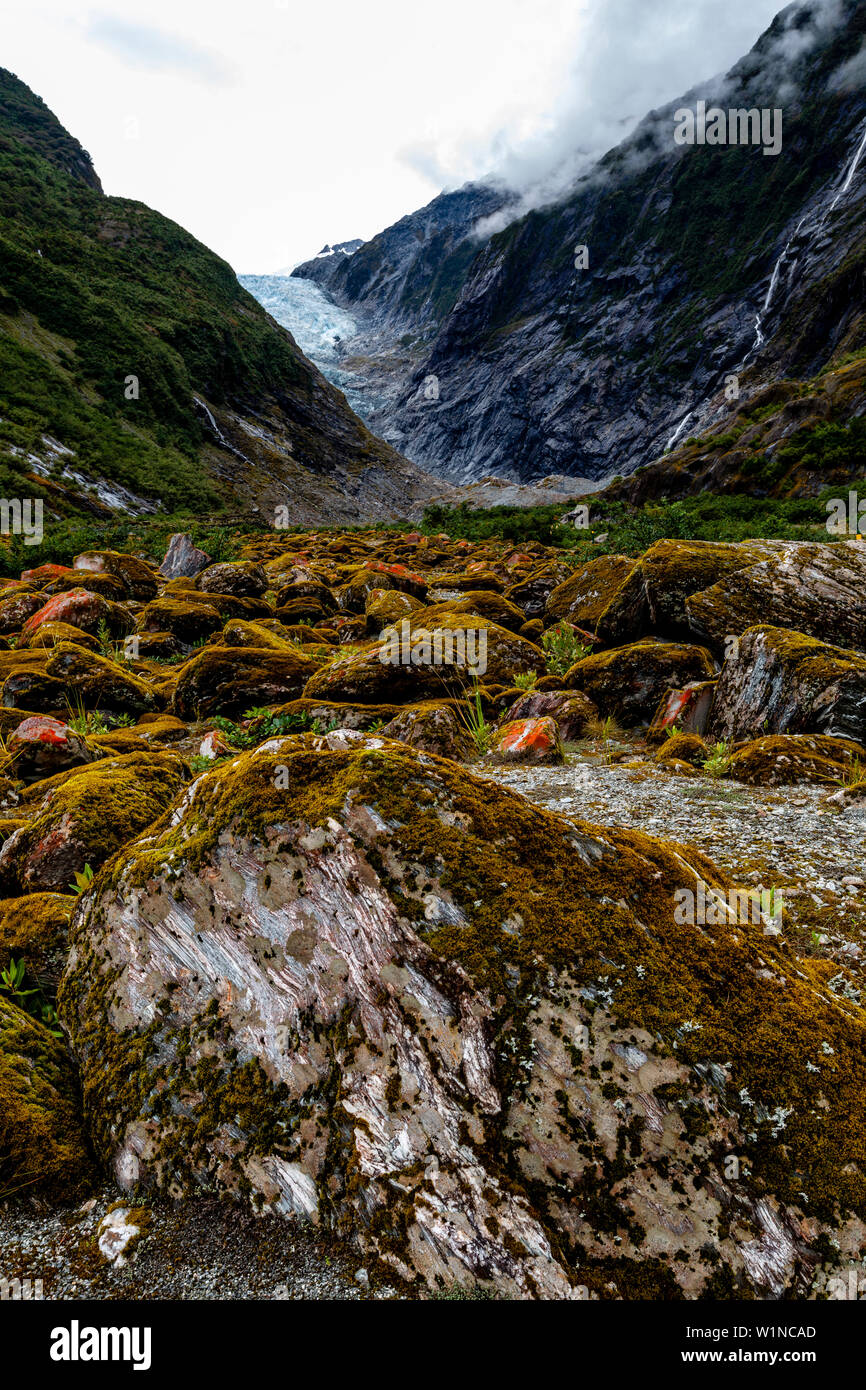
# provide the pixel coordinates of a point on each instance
(34, 929)
(816, 589)
(654, 596)
(778, 759)
(230, 680)
(778, 682)
(43, 1147)
(629, 681)
(39, 747)
(137, 577)
(582, 598)
(97, 683)
(182, 559)
(532, 593)
(369, 989)
(82, 817)
(241, 577)
(424, 657)
(81, 608)
(188, 622)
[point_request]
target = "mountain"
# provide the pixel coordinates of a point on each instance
(704, 262)
(135, 371)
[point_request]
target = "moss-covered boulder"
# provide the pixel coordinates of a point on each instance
(777, 681)
(384, 607)
(237, 633)
(571, 710)
(369, 989)
(43, 1149)
(785, 758)
(188, 622)
(433, 728)
(229, 680)
(654, 596)
(428, 655)
(49, 634)
(582, 598)
(683, 748)
(81, 608)
(816, 589)
(243, 578)
(97, 683)
(34, 929)
(628, 682)
(532, 592)
(84, 816)
(136, 575)
(686, 710)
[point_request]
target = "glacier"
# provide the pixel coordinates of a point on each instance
(320, 328)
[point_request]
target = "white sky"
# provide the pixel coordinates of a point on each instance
(269, 127)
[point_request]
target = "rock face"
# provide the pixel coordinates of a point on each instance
(367, 989)
(816, 589)
(539, 367)
(784, 682)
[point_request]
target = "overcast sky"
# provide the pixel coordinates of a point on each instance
(269, 127)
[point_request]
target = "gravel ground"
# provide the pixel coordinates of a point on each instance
(201, 1249)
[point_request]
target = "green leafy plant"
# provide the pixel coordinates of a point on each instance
(719, 760)
(525, 680)
(32, 1001)
(562, 648)
(83, 880)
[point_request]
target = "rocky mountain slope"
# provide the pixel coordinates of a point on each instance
(136, 373)
(704, 261)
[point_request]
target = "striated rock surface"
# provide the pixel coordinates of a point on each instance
(365, 990)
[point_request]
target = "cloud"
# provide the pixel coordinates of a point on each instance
(156, 50)
(633, 58)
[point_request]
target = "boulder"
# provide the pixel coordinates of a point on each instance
(240, 577)
(96, 683)
(779, 759)
(82, 817)
(688, 709)
(39, 747)
(187, 622)
(582, 598)
(432, 729)
(683, 748)
(49, 634)
(569, 708)
(384, 607)
(15, 611)
(532, 593)
(418, 658)
(653, 597)
(237, 633)
(35, 929)
(781, 682)
(137, 576)
(816, 589)
(527, 741)
(183, 560)
(229, 680)
(629, 681)
(43, 1147)
(83, 609)
(370, 990)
